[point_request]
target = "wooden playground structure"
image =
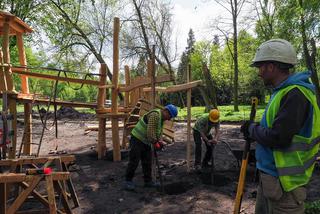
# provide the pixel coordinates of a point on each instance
(133, 89)
(140, 95)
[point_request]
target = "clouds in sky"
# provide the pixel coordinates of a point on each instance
(194, 14)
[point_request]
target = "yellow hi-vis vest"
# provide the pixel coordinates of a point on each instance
(295, 164)
(140, 130)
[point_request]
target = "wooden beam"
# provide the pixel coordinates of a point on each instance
(51, 77)
(23, 195)
(27, 138)
(30, 98)
(176, 88)
(146, 81)
(189, 119)
(40, 160)
(3, 81)
(22, 177)
(114, 96)
(6, 54)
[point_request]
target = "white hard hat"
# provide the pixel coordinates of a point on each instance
(278, 50)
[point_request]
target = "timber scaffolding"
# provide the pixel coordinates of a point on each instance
(133, 89)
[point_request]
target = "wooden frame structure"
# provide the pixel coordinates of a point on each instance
(133, 89)
(16, 185)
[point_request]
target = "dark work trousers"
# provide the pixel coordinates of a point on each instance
(139, 151)
(198, 143)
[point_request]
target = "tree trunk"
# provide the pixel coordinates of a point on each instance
(209, 89)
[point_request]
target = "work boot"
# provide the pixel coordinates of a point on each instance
(151, 184)
(129, 185)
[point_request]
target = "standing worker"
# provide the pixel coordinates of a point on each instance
(145, 134)
(288, 134)
(201, 131)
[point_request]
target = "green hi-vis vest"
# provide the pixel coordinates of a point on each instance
(295, 164)
(140, 130)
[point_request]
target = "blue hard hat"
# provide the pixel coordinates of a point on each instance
(172, 110)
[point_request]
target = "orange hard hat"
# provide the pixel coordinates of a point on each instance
(214, 115)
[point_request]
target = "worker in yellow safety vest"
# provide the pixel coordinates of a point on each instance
(288, 135)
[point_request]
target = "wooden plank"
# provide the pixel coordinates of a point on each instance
(168, 133)
(71, 188)
(20, 177)
(31, 98)
(39, 160)
(102, 92)
(51, 77)
(23, 195)
(35, 194)
(114, 95)
(146, 81)
(51, 195)
(114, 116)
(59, 188)
(176, 88)
(109, 110)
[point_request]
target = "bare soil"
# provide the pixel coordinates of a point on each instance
(99, 183)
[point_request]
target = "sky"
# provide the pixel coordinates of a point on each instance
(198, 14)
(195, 14)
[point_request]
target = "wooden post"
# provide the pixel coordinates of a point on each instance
(189, 119)
(114, 97)
(27, 144)
(6, 54)
(23, 62)
(3, 81)
(13, 110)
(101, 148)
(127, 79)
(153, 78)
(126, 105)
(147, 94)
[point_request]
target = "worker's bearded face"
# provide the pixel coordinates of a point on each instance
(265, 73)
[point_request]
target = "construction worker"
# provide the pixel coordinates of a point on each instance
(288, 134)
(202, 132)
(145, 134)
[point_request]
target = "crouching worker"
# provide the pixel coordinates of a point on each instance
(145, 134)
(201, 132)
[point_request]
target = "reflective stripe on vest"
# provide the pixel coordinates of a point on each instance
(295, 164)
(140, 129)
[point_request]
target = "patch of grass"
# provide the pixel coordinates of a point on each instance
(312, 207)
(226, 113)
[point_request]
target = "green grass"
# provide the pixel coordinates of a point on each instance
(312, 207)
(226, 113)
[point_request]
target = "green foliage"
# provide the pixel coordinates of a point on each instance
(312, 207)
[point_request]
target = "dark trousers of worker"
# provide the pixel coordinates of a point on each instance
(198, 150)
(139, 151)
(271, 199)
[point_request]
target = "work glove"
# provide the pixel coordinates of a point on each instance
(245, 129)
(158, 146)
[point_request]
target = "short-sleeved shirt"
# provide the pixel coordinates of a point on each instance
(204, 125)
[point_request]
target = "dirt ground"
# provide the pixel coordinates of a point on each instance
(99, 183)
